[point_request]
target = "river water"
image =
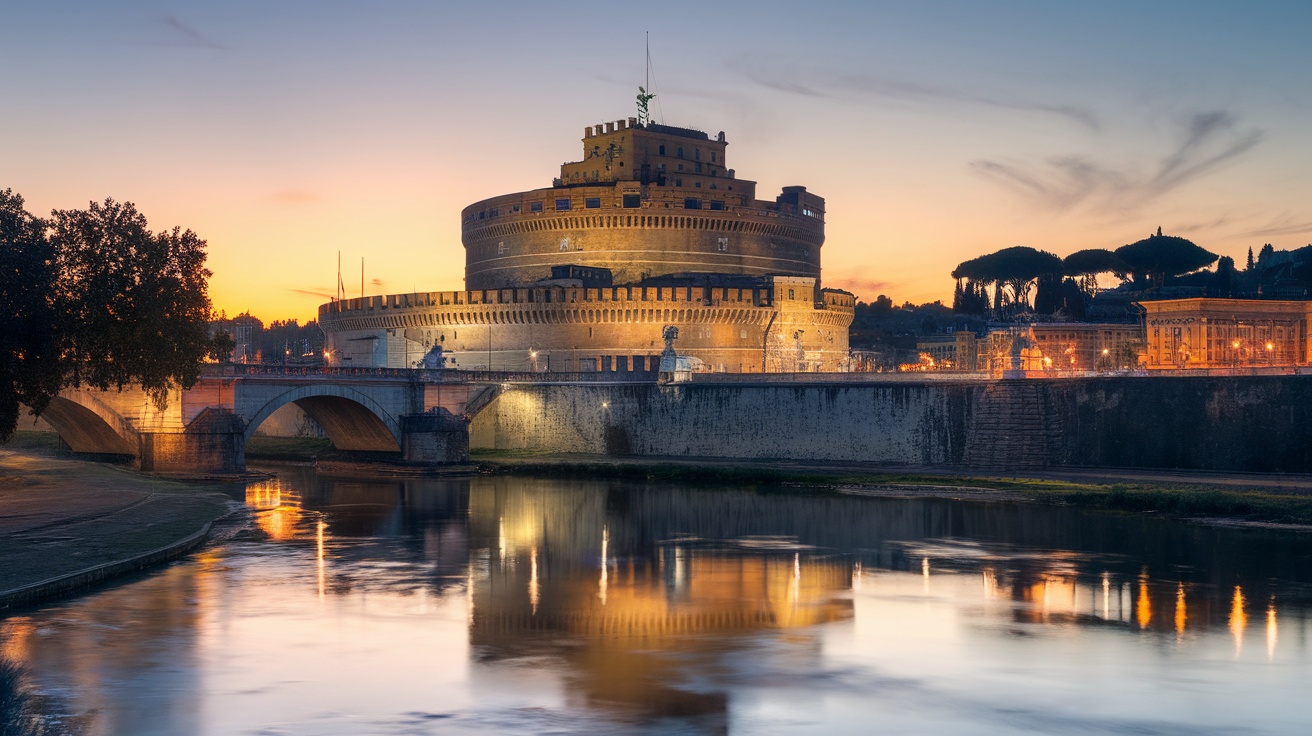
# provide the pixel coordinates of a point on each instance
(358, 604)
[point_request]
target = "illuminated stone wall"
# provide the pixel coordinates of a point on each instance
(517, 246)
(610, 329)
(1253, 423)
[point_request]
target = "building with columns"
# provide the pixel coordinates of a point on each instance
(1226, 333)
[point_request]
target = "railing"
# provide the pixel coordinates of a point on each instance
(424, 375)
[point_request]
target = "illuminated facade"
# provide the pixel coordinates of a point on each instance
(1226, 333)
(649, 229)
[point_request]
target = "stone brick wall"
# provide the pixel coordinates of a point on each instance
(1258, 424)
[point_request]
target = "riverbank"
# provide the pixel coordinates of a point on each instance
(1255, 498)
(66, 524)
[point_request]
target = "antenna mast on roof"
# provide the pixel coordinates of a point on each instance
(645, 94)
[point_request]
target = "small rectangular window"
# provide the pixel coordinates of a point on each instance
(592, 203)
(662, 150)
(632, 201)
(692, 203)
(717, 204)
(712, 156)
(562, 204)
(535, 207)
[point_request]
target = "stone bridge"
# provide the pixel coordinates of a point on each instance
(420, 416)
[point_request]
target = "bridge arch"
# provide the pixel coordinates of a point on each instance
(87, 424)
(351, 418)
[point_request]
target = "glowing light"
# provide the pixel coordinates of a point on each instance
(1271, 631)
(318, 542)
(1144, 609)
(533, 579)
(1106, 596)
(924, 570)
(1181, 614)
(1238, 619)
(605, 568)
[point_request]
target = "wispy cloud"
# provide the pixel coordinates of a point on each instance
(184, 35)
(862, 287)
(313, 292)
(1285, 224)
(1208, 140)
(831, 84)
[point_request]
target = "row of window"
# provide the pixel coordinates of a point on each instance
(696, 154)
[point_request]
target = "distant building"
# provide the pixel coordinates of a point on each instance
(1226, 333)
(1052, 348)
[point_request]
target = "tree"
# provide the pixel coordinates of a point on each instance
(1086, 265)
(29, 372)
(1010, 269)
(132, 306)
(1222, 283)
(1159, 257)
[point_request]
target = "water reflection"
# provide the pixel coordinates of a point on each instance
(490, 604)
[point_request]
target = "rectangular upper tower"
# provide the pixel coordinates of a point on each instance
(664, 155)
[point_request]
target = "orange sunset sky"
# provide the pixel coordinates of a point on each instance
(286, 132)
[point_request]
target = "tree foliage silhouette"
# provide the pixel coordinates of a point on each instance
(98, 300)
(29, 365)
(1159, 257)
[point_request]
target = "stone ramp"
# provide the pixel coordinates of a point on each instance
(1010, 428)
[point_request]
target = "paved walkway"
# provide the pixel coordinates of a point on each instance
(61, 517)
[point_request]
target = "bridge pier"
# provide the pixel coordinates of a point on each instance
(435, 438)
(214, 442)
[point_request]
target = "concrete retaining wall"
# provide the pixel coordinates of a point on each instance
(1260, 423)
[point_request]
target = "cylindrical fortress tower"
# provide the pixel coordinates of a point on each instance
(646, 201)
(650, 230)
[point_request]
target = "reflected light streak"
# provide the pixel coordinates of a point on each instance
(605, 568)
(1144, 609)
(318, 539)
(1238, 619)
(1181, 614)
(533, 592)
(796, 591)
(501, 539)
(856, 575)
(1271, 631)
(990, 583)
(1106, 597)
(924, 570)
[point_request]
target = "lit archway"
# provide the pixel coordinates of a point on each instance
(86, 424)
(352, 420)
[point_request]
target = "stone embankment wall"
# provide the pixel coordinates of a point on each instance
(1207, 423)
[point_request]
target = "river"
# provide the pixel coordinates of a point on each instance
(360, 604)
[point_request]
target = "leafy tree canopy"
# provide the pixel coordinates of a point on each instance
(29, 371)
(98, 300)
(1009, 264)
(1158, 257)
(1091, 261)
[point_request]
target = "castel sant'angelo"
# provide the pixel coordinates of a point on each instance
(650, 229)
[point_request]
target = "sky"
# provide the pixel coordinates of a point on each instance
(284, 133)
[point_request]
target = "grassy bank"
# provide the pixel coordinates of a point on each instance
(289, 448)
(1183, 499)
